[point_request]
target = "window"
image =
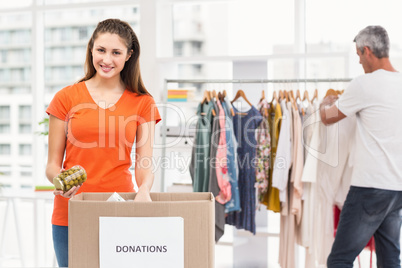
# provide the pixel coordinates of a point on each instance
(15, 53)
(5, 170)
(25, 129)
(25, 112)
(4, 128)
(4, 119)
(83, 33)
(20, 90)
(196, 47)
(230, 29)
(25, 149)
(67, 35)
(5, 149)
(25, 171)
(3, 55)
(20, 37)
(5, 113)
(25, 119)
(14, 4)
(178, 49)
(326, 32)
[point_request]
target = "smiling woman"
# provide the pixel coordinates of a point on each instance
(109, 55)
(97, 120)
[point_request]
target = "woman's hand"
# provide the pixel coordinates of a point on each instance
(70, 193)
(143, 174)
(143, 195)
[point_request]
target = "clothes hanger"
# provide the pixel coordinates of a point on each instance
(298, 98)
(214, 93)
(331, 92)
(292, 96)
(315, 97)
(305, 96)
(220, 96)
(262, 95)
(224, 96)
(292, 99)
(298, 95)
(240, 93)
(287, 93)
(207, 99)
(263, 98)
(274, 98)
(281, 96)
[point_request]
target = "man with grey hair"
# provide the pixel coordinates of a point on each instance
(374, 202)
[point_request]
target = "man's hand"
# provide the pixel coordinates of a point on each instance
(329, 112)
(329, 100)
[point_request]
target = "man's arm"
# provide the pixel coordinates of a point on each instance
(329, 112)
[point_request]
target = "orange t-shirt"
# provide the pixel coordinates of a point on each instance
(100, 140)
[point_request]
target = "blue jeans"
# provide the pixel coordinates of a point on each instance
(60, 244)
(368, 212)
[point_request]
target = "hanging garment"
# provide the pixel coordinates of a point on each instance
(225, 193)
(263, 152)
(311, 208)
(213, 180)
(234, 202)
(284, 206)
(201, 156)
(244, 128)
(287, 235)
(297, 170)
(306, 226)
(290, 107)
(235, 145)
(288, 221)
(271, 198)
(282, 162)
(327, 164)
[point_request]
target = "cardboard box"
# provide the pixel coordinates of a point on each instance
(197, 210)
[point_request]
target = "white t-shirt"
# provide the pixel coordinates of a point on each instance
(376, 100)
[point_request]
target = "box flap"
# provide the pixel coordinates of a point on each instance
(207, 196)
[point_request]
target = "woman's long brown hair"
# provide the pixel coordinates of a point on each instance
(130, 75)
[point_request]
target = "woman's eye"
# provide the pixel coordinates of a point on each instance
(100, 50)
(117, 53)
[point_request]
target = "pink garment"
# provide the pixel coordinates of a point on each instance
(222, 175)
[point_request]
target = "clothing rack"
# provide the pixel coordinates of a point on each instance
(231, 81)
(256, 81)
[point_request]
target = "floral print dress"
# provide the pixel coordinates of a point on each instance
(263, 151)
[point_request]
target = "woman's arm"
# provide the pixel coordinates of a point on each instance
(143, 160)
(57, 144)
(56, 148)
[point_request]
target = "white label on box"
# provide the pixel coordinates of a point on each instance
(127, 242)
